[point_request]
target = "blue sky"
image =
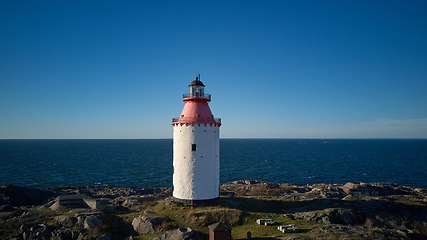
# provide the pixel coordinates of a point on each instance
(275, 69)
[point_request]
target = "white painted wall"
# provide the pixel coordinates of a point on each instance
(196, 173)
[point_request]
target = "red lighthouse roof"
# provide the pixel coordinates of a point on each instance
(196, 108)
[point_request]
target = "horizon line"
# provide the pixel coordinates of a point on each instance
(319, 138)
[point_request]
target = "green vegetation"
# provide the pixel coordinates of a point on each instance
(386, 216)
(241, 218)
(262, 231)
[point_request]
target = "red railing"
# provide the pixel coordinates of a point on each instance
(196, 120)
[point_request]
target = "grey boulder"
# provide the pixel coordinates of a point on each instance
(65, 221)
(144, 224)
(183, 233)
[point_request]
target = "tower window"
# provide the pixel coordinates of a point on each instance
(193, 147)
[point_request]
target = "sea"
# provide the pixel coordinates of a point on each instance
(147, 163)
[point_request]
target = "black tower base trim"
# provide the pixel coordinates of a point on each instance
(204, 202)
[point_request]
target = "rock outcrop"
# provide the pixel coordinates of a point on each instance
(144, 224)
(183, 233)
(65, 221)
(359, 210)
(332, 216)
(23, 196)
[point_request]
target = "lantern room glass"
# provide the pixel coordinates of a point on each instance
(197, 91)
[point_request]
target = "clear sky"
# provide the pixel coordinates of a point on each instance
(275, 69)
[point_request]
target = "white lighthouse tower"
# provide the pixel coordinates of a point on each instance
(196, 149)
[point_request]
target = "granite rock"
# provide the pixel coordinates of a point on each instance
(23, 196)
(144, 224)
(65, 221)
(183, 233)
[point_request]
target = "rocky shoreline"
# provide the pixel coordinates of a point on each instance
(333, 211)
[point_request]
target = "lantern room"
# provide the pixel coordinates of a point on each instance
(197, 90)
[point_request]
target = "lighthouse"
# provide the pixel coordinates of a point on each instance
(196, 149)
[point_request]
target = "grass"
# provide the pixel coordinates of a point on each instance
(238, 212)
(241, 219)
(262, 231)
(198, 218)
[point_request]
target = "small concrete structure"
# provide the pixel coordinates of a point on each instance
(280, 228)
(291, 229)
(219, 231)
(265, 222)
(287, 228)
(269, 223)
(80, 201)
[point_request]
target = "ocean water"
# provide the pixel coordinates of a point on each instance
(148, 163)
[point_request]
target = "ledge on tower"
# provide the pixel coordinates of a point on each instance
(196, 120)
